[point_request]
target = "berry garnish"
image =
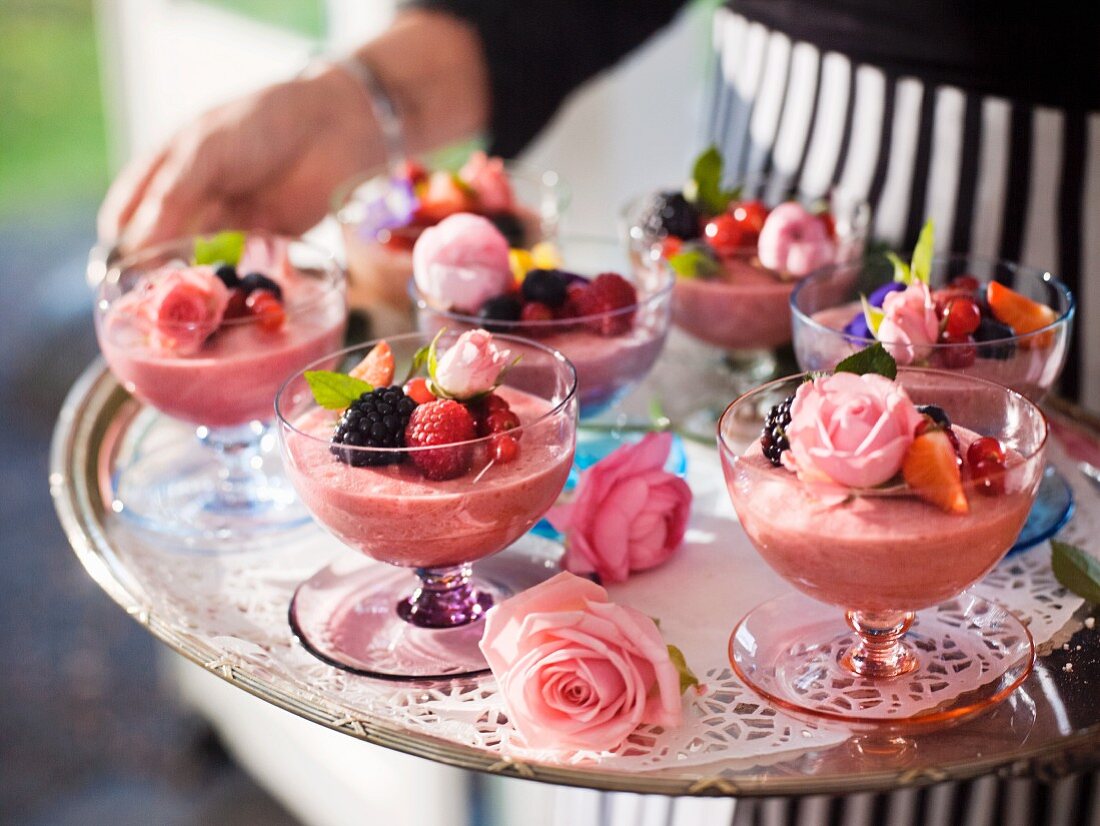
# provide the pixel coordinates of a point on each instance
(536, 311)
(670, 213)
(492, 415)
(985, 447)
(750, 217)
(376, 419)
(228, 275)
(267, 309)
(545, 286)
(443, 422)
(1020, 313)
(670, 246)
(992, 330)
(986, 460)
(724, 235)
(237, 306)
(966, 282)
(258, 281)
(931, 469)
(935, 418)
(935, 413)
(961, 316)
(417, 390)
(377, 367)
(510, 227)
(603, 297)
(505, 448)
(412, 171)
(773, 439)
(501, 308)
(443, 196)
(959, 355)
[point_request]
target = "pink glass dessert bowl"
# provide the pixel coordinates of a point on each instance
(416, 611)
(880, 568)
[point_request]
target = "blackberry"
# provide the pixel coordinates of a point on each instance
(258, 281)
(546, 287)
(774, 438)
(936, 414)
(228, 275)
(375, 419)
(670, 213)
(500, 308)
(989, 329)
(510, 227)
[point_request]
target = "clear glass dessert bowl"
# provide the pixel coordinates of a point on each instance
(174, 347)
(379, 249)
(881, 629)
(420, 613)
(612, 350)
(827, 302)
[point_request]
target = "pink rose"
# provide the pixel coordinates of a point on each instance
(577, 672)
(851, 430)
(909, 326)
(795, 241)
(462, 262)
(470, 366)
(186, 305)
(628, 514)
(487, 178)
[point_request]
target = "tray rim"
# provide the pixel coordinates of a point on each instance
(92, 403)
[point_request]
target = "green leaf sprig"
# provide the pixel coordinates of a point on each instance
(335, 391)
(919, 269)
(705, 187)
(223, 248)
(1076, 569)
(871, 359)
(694, 262)
(687, 676)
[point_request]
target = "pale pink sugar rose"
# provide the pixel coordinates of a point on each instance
(487, 178)
(471, 366)
(461, 262)
(850, 430)
(185, 305)
(577, 672)
(629, 514)
(795, 241)
(909, 325)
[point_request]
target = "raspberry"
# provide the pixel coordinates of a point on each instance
(443, 422)
(604, 295)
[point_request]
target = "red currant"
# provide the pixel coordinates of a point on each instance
(536, 311)
(499, 421)
(962, 316)
(985, 448)
(505, 448)
(750, 217)
(237, 306)
(988, 476)
(962, 352)
(267, 309)
(670, 246)
(725, 235)
(966, 282)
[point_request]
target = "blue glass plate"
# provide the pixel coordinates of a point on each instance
(1052, 509)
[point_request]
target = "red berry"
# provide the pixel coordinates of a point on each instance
(670, 246)
(966, 282)
(501, 420)
(985, 448)
(412, 171)
(417, 390)
(237, 306)
(536, 311)
(608, 297)
(494, 402)
(960, 354)
(267, 310)
(726, 236)
(505, 448)
(485, 409)
(962, 316)
(830, 223)
(989, 476)
(443, 422)
(750, 217)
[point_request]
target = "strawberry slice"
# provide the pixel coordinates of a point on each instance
(1021, 314)
(931, 469)
(445, 195)
(377, 366)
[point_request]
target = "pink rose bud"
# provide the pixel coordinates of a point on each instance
(186, 305)
(470, 366)
(909, 325)
(461, 262)
(487, 178)
(850, 430)
(577, 672)
(795, 241)
(628, 514)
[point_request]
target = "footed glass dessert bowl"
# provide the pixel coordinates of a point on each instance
(881, 501)
(427, 476)
(991, 319)
(205, 330)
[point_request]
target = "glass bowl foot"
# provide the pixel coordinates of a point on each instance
(955, 659)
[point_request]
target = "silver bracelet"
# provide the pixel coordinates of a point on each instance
(385, 112)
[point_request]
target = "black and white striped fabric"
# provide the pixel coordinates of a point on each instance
(1001, 179)
(985, 802)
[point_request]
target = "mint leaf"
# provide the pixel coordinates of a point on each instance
(687, 676)
(902, 273)
(694, 263)
(921, 268)
(871, 359)
(223, 248)
(420, 358)
(1076, 570)
(335, 391)
(705, 187)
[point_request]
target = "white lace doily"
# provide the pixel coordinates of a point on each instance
(237, 605)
